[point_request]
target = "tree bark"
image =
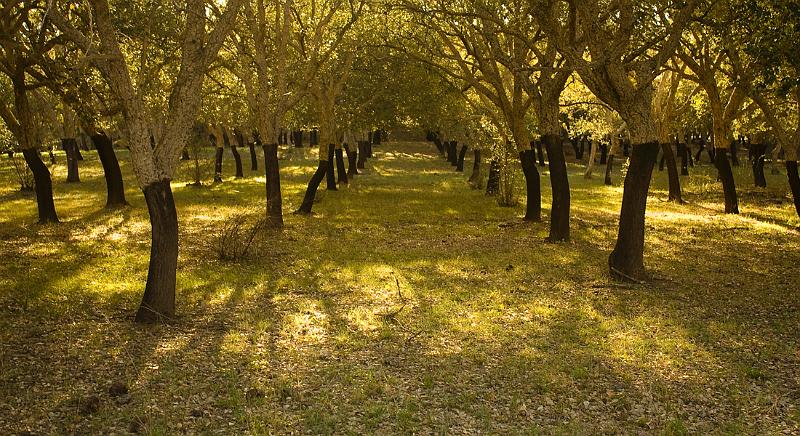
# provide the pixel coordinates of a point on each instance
(540, 152)
(115, 187)
(559, 182)
(352, 160)
(533, 208)
(609, 169)
(340, 169)
(158, 302)
(759, 157)
(794, 183)
(43, 186)
(684, 154)
(475, 177)
(590, 163)
(461, 155)
(493, 182)
(728, 183)
(70, 146)
(626, 261)
(361, 155)
(253, 157)
(238, 159)
(274, 200)
(672, 173)
(454, 153)
(329, 172)
(313, 185)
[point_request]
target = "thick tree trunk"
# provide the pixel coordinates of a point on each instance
(361, 155)
(253, 157)
(475, 177)
(533, 208)
(559, 183)
(626, 261)
(684, 154)
(329, 172)
(274, 200)
(43, 186)
(672, 174)
(218, 165)
(115, 188)
(70, 146)
(728, 183)
(461, 155)
(313, 185)
(340, 169)
(158, 302)
(493, 182)
(794, 183)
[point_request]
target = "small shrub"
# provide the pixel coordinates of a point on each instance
(239, 235)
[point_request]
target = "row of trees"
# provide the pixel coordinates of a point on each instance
(499, 75)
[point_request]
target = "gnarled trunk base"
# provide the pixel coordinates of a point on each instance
(313, 185)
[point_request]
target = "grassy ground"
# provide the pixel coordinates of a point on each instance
(407, 303)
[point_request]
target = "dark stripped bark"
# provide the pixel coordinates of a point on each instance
(70, 146)
(461, 155)
(329, 172)
(759, 158)
(728, 183)
(115, 187)
(533, 207)
(313, 185)
(626, 261)
(362, 155)
(238, 160)
(794, 183)
(539, 152)
(340, 169)
(352, 161)
(475, 177)
(493, 182)
(253, 156)
(43, 186)
(683, 152)
(672, 174)
(158, 303)
(274, 200)
(559, 182)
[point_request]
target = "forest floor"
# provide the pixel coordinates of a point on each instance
(408, 303)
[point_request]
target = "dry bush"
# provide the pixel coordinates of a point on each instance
(240, 234)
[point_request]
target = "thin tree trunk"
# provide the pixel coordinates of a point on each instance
(340, 169)
(70, 146)
(461, 155)
(728, 183)
(672, 174)
(352, 160)
(43, 186)
(115, 187)
(238, 159)
(493, 182)
(590, 164)
(626, 261)
(329, 172)
(540, 153)
(475, 177)
(559, 183)
(313, 185)
(274, 200)
(253, 157)
(609, 169)
(158, 302)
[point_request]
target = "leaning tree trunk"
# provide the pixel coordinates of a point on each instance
(313, 185)
(115, 188)
(340, 169)
(728, 183)
(461, 155)
(794, 183)
(43, 186)
(158, 302)
(559, 182)
(70, 146)
(672, 173)
(533, 208)
(238, 159)
(626, 261)
(274, 201)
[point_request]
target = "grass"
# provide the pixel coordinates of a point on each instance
(491, 330)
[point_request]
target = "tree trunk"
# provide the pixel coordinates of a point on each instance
(728, 183)
(115, 188)
(533, 208)
(559, 182)
(590, 164)
(159, 292)
(43, 186)
(361, 155)
(759, 157)
(218, 165)
(609, 169)
(352, 160)
(274, 201)
(540, 153)
(70, 146)
(454, 153)
(253, 157)
(735, 153)
(329, 172)
(438, 143)
(794, 183)
(342, 172)
(493, 182)
(626, 261)
(238, 159)
(475, 177)
(603, 154)
(672, 174)
(461, 155)
(684, 154)
(185, 154)
(298, 138)
(313, 185)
